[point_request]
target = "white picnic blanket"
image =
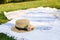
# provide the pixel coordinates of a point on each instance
(14, 14)
(47, 26)
(19, 13)
(42, 31)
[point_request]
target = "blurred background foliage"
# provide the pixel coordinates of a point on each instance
(7, 1)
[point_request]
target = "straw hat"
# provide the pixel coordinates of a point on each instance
(22, 25)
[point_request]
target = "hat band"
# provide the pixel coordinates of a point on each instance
(25, 29)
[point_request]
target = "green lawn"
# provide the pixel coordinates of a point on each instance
(24, 5)
(5, 37)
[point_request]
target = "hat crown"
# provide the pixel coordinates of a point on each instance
(22, 23)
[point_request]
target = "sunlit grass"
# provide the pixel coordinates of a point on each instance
(30, 4)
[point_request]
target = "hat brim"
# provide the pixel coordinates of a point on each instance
(16, 30)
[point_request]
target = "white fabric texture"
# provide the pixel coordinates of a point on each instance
(17, 14)
(41, 32)
(47, 26)
(14, 14)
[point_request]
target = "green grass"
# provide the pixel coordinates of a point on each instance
(5, 37)
(24, 5)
